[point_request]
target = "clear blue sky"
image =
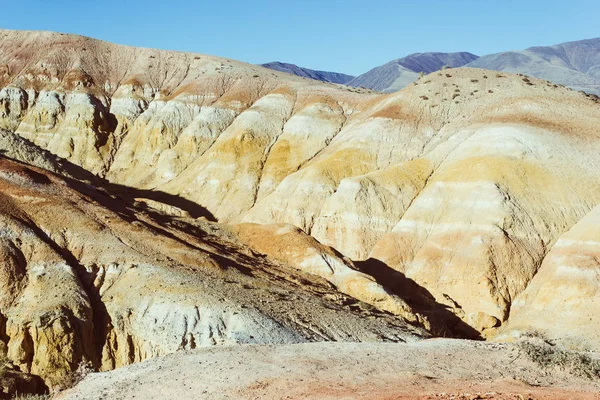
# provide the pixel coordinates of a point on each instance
(348, 36)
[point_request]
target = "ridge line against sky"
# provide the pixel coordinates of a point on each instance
(348, 36)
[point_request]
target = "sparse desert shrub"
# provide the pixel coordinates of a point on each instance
(485, 77)
(474, 80)
(499, 76)
(547, 355)
(74, 377)
(255, 76)
(455, 95)
(527, 81)
(490, 91)
(592, 96)
(424, 97)
(448, 76)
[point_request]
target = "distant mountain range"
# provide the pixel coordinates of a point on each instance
(324, 76)
(573, 64)
(398, 73)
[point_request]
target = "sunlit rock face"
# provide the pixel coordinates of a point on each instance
(289, 245)
(463, 182)
(562, 301)
(114, 285)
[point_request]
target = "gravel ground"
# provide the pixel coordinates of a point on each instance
(431, 369)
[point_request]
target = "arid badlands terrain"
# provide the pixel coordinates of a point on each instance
(237, 232)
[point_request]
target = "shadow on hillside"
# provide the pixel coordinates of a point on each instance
(128, 193)
(443, 321)
(78, 176)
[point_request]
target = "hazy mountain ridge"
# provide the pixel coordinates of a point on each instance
(398, 73)
(323, 76)
(574, 64)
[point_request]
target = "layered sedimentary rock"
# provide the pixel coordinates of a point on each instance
(563, 298)
(288, 244)
(89, 279)
(462, 182)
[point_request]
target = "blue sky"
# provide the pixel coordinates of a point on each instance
(348, 36)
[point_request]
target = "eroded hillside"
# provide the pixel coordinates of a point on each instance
(463, 182)
(89, 278)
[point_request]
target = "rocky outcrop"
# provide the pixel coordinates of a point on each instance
(120, 284)
(288, 244)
